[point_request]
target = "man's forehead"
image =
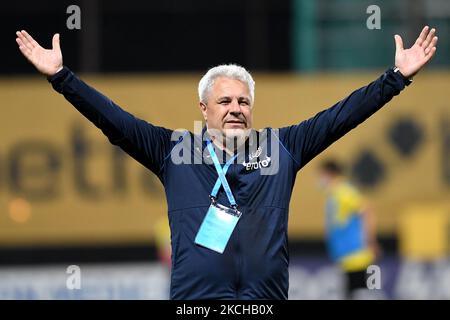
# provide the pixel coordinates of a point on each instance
(226, 86)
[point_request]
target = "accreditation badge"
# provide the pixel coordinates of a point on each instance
(217, 227)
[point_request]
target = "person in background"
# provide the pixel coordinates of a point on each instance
(162, 241)
(350, 227)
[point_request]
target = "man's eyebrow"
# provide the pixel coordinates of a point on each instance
(229, 98)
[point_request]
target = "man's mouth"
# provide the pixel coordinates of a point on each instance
(235, 122)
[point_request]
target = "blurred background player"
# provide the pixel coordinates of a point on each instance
(162, 240)
(350, 227)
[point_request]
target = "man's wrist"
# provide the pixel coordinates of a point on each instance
(58, 70)
(406, 80)
(61, 73)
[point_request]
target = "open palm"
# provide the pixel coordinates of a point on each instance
(411, 60)
(46, 61)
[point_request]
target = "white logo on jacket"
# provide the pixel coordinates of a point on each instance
(257, 164)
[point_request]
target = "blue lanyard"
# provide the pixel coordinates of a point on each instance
(222, 180)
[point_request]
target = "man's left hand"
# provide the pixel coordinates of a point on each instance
(411, 60)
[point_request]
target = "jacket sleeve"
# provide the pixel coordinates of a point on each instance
(306, 140)
(146, 143)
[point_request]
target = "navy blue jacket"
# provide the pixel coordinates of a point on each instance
(255, 262)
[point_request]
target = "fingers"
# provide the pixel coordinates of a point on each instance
(30, 39)
(428, 39)
(24, 49)
(430, 54)
(431, 45)
(25, 42)
(398, 42)
(55, 42)
(422, 36)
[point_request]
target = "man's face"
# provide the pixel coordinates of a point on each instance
(228, 109)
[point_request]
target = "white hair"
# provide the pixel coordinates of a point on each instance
(231, 71)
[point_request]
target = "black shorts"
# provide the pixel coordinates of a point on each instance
(355, 280)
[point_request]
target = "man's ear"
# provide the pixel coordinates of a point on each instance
(203, 110)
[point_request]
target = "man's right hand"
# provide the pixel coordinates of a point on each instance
(46, 61)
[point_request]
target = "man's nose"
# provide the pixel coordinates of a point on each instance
(235, 107)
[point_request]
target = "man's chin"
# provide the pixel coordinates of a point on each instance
(230, 136)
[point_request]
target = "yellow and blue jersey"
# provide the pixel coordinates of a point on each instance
(346, 238)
